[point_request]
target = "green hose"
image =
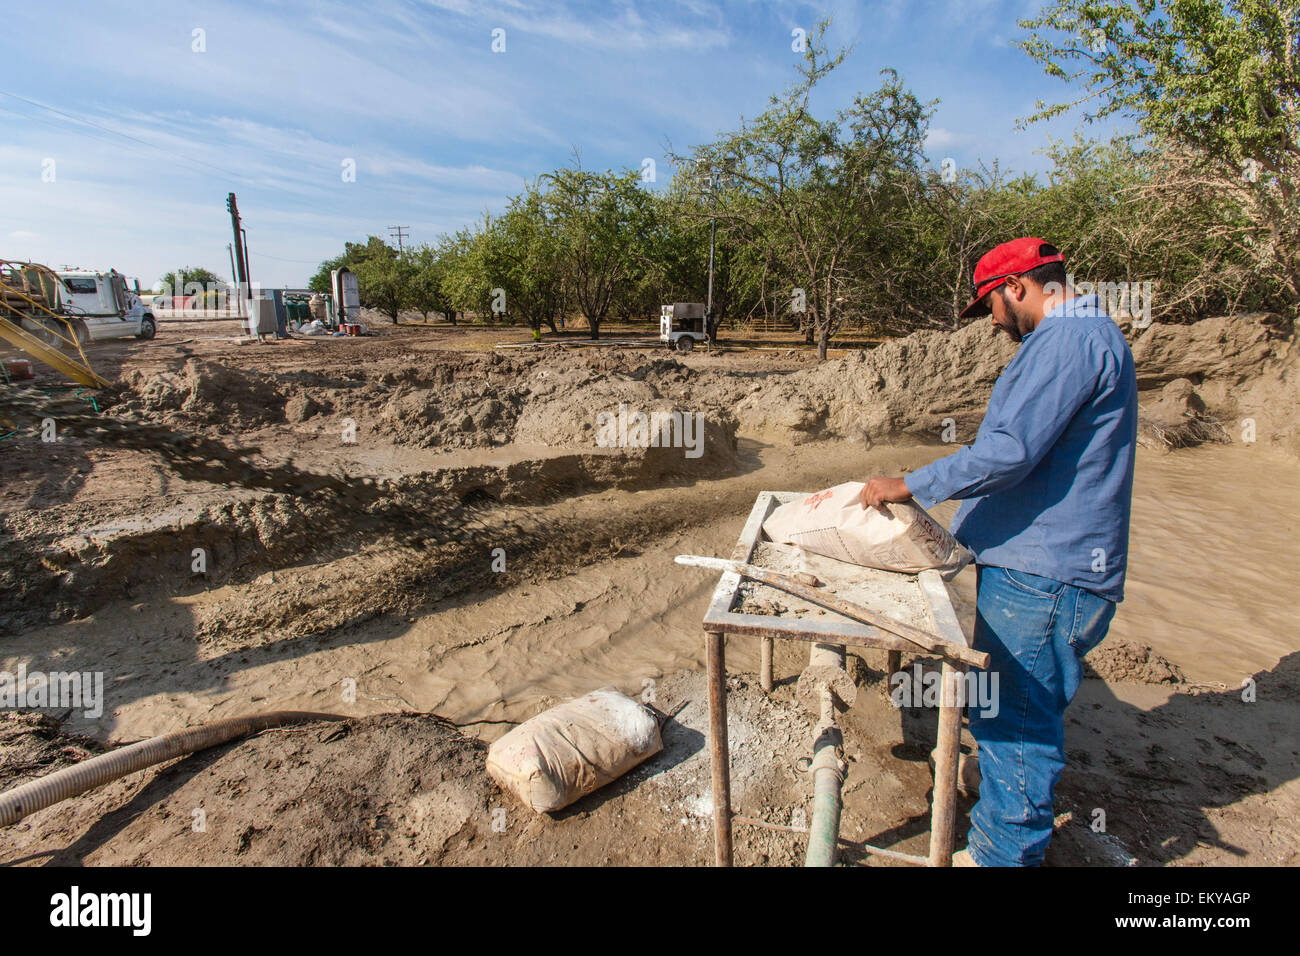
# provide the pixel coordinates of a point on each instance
(824, 830)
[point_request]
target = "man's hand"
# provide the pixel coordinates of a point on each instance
(877, 491)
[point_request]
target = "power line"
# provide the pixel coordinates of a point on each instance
(304, 262)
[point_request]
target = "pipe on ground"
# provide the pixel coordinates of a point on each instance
(97, 771)
(826, 669)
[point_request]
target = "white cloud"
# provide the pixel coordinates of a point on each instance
(617, 26)
(940, 138)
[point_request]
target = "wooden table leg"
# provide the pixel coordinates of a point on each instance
(943, 813)
(719, 751)
(765, 647)
(893, 662)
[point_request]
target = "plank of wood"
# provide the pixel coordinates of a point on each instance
(942, 614)
(915, 635)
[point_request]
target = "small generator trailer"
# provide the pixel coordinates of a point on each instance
(682, 324)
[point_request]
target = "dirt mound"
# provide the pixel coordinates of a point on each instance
(469, 402)
(930, 385)
(936, 385)
(906, 386)
(1232, 348)
(209, 394)
(456, 416)
(558, 401)
(594, 406)
(1117, 661)
(302, 407)
(1263, 407)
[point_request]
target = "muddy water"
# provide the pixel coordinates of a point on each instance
(1214, 561)
(1212, 582)
(1212, 585)
(1214, 569)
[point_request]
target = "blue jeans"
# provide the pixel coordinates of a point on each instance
(1036, 631)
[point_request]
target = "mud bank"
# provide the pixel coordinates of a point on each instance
(207, 538)
(448, 401)
(920, 385)
(1236, 379)
(904, 387)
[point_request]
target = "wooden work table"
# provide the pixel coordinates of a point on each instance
(723, 618)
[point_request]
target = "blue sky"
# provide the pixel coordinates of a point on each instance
(439, 127)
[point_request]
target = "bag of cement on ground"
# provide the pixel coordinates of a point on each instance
(565, 753)
(834, 523)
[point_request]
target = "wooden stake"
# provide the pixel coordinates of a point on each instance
(943, 814)
(719, 751)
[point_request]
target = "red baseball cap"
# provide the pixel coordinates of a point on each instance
(1002, 262)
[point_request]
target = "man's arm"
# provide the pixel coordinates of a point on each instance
(1037, 404)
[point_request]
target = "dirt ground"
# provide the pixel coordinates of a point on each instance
(426, 456)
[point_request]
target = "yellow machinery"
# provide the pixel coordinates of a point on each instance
(32, 319)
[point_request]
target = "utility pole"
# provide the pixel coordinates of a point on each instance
(397, 233)
(713, 231)
(241, 256)
(231, 249)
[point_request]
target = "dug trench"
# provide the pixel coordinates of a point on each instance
(359, 578)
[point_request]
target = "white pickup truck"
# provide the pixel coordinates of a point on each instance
(106, 306)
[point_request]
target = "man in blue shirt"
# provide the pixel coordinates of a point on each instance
(1046, 493)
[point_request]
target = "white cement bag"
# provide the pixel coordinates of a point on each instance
(565, 753)
(834, 523)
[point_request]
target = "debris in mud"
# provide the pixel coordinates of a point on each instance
(33, 744)
(1178, 418)
(1118, 661)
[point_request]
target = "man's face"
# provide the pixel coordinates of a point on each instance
(1010, 311)
(1006, 316)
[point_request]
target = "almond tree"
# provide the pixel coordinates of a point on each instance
(525, 258)
(1213, 83)
(819, 197)
(603, 224)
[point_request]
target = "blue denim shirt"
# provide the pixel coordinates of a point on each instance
(1048, 483)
